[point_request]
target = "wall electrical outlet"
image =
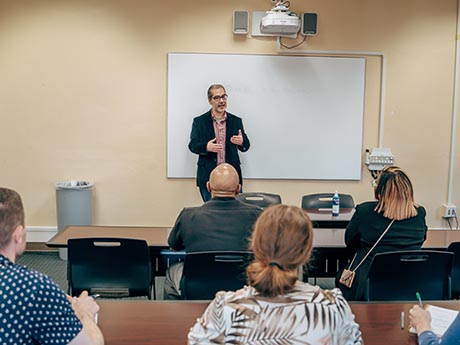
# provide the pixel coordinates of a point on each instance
(449, 211)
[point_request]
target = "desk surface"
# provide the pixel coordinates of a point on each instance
(146, 322)
(158, 236)
(155, 236)
(325, 215)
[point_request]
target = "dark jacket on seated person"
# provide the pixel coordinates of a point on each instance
(219, 224)
(364, 230)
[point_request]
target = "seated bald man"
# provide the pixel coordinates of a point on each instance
(222, 223)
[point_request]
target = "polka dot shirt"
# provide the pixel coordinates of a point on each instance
(33, 309)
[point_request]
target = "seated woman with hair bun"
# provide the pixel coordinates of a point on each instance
(276, 307)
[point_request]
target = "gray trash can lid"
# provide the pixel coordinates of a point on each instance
(74, 184)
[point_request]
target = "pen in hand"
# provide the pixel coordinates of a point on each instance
(419, 299)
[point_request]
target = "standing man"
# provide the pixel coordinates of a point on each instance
(216, 137)
(34, 310)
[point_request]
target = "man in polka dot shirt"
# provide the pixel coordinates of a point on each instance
(33, 309)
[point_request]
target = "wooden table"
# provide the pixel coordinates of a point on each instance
(323, 218)
(145, 322)
(154, 235)
(441, 238)
(158, 236)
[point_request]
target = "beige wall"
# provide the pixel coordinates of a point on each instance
(83, 95)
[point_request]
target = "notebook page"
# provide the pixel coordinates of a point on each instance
(441, 318)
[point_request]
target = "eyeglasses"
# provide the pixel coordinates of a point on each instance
(218, 98)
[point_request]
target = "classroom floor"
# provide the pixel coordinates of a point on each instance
(47, 263)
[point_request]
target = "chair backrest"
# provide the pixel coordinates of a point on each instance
(397, 276)
(327, 262)
(110, 266)
(262, 200)
(167, 258)
(206, 273)
(324, 200)
(454, 247)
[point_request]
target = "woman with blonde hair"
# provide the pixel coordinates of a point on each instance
(276, 307)
(393, 222)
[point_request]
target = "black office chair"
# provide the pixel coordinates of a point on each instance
(324, 200)
(326, 262)
(454, 247)
(206, 273)
(262, 200)
(111, 267)
(167, 258)
(397, 276)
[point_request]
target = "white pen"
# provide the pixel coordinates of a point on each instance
(402, 320)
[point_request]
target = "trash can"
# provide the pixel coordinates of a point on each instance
(74, 205)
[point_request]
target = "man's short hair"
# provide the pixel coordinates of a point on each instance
(11, 214)
(214, 87)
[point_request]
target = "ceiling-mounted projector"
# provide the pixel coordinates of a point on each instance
(280, 21)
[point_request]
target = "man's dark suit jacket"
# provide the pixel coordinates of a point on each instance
(202, 132)
(219, 224)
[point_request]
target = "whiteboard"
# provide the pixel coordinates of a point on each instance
(303, 115)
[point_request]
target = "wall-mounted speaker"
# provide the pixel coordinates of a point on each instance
(309, 24)
(240, 22)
